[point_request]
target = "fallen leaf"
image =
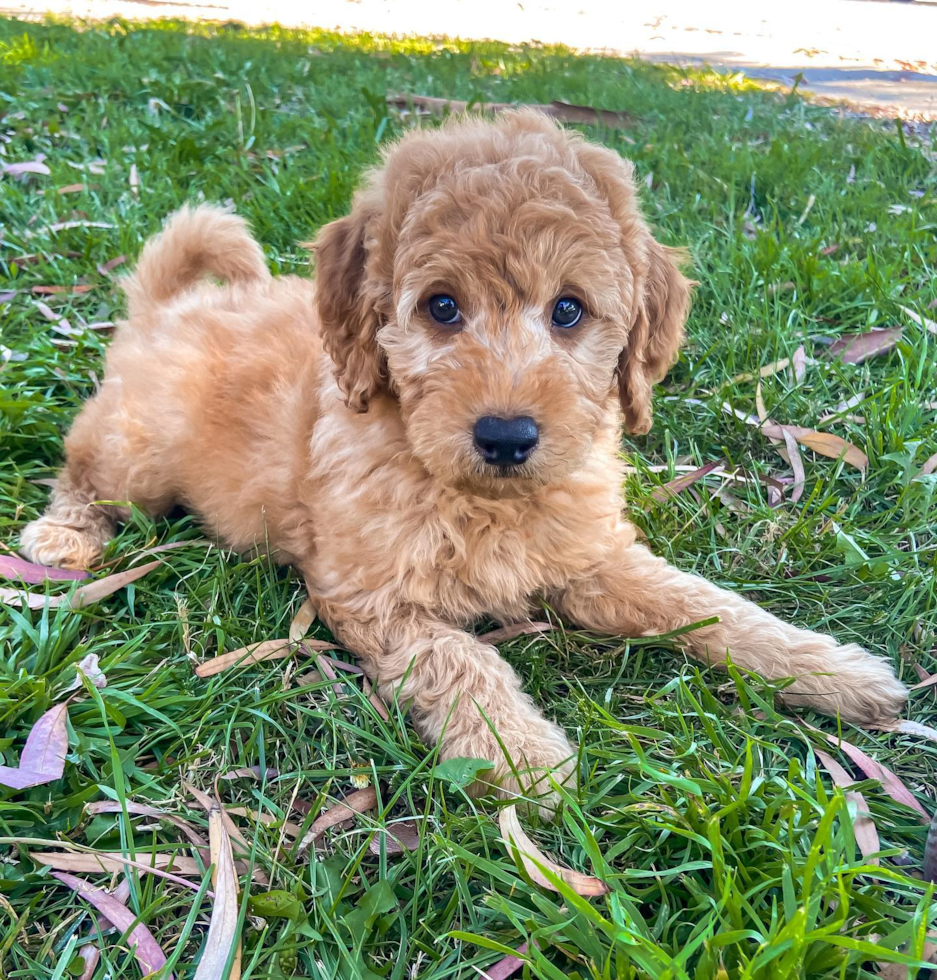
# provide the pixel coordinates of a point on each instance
(107, 267)
(929, 466)
(854, 348)
(907, 727)
(764, 372)
(223, 926)
(6, 296)
(671, 489)
(928, 681)
(824, 443)
(404, 835)
(851, 176)
(55, 290)
(47, 311)
(26, 571)
(101, 588)
(71, 189)
(140, 940)
(508, 966)
(810, 203)
(304, 618)
(829, 250)
(267, 819)
(207, 803)
(797, 464)
(31, 600)
(144, 809)
(531, 856)
(26, 167)
(101, 862)
(863, 826)
(513, 631)
(564, 111)
(90, 955)
(90, 668)
(360, 801)
(134, 180)
(892, 785)
(799, 364)
(43, 757)
(67, 225)
(265, 650)
(253, 772)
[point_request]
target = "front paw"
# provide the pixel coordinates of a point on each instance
(529, 757)
(846, 681)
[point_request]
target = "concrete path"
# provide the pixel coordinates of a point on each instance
(874, 54)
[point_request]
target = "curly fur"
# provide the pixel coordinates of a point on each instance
(333, 421)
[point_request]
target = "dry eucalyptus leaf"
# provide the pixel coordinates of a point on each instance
(534, 859)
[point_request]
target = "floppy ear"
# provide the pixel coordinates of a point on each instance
(347, 309)
(656, 334)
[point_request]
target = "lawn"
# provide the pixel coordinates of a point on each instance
(706, 809)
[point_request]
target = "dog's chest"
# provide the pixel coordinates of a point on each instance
(456, 556)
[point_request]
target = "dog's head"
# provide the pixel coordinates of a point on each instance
(499, 281)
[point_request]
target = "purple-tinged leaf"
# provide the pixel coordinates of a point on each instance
(144, 947)
(43, 757)
(26, 571)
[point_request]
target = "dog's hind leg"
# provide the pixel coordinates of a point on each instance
(108, 458)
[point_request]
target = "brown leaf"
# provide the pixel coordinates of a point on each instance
(824, 443)
(829, 250)
(508, 966)
(514, 630)
(404, 835)
(765, 372)
(253, 772)
(143, 809)
(863, 826)
(265, 650)
(71, 189)
(31, 600)
(54, 290)
(304, 618)
(107, 267)
(26, 571)
(223, 927)
(101, 588)
(928, 681)
(101, 862)
(679, 483)
(564, 111)
(892, 785)
(360, 801)
(854, 348)
(531, 856)
(206, 802)
(799, 364)
(43, 757)
(90, 955)
(142, 944)
(929, 466)
(267, 819)
(797, 464)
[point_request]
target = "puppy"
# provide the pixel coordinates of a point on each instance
(430, 431)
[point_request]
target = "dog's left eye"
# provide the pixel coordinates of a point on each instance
(567, 312)
(444, 309)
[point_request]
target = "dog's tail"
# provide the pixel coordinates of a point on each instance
(196, 242)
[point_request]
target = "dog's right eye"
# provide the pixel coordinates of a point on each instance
(444, 309)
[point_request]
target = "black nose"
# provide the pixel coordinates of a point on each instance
(505, 442)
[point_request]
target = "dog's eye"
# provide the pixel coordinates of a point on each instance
(567, 312)
(444, 309)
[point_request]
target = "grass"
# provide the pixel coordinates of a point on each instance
(728, 850)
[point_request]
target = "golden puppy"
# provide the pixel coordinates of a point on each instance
(430, 431)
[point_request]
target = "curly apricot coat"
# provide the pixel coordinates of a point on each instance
(334, 422)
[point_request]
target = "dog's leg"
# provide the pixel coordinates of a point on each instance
(635, 593)
(73, 530)
(461, 691)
